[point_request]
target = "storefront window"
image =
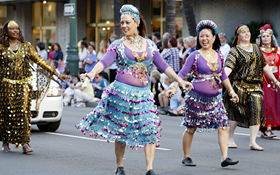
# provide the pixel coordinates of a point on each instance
(3, 15)
(49, 14)
(44, 23)
(107, 11)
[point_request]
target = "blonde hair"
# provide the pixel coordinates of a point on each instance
(156, 74)
(168, 79)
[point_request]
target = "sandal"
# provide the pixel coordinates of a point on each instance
(263, 135)
(270, 134)
(5, 147)
(256, 148)
(232, 145)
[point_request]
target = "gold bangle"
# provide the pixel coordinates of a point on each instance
(173, 87)
(275, 82)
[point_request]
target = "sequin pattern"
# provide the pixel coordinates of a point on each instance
(16, 91)
(125, 113)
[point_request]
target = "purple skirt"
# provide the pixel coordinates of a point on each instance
(204, 111)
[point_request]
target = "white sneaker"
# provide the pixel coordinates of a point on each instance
(80, 105)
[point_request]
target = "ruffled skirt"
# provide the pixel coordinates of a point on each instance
(126, 114)
(204, 111)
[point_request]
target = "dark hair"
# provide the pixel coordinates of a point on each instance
(84, 38)
(41, 45)
(84, 43)
(216, 45)
(55, 63)
(91, 46)
(58, 45)
(149, 36)
(82, 71)
(272, 43)
(173, 42)
(101, 73)
(165, 43)
(4, 39)
(66, 71)
(142, 26)
(73, 76)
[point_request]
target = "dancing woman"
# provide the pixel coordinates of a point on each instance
(126, 112)
(245, 65)
(16, 86)
(204, 108)
(271, 97)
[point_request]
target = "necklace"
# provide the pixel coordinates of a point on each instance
(14, 46)
(210, 58)
(137, 43)
(247, 48)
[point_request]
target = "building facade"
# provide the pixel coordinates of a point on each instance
(45, 21)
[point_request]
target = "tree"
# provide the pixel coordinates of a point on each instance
(117, 7)
(190, 17)
(170, 23)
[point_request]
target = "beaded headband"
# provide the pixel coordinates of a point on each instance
(207, 23)
(12, 23)
(241, 29)
(132, 11)
(266, 29)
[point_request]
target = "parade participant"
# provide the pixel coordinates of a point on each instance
(16, 86)
(126, 112)
(245, 65)
(271, 98)
(204, 108)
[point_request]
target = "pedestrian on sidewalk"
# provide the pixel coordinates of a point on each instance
(204, 108)
(245, 65)
(126, 112)
(16, 55)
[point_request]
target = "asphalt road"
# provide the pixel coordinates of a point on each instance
(68, 152)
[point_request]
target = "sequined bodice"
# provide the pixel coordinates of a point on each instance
(15, 65)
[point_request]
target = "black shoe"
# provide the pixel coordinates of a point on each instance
(228, 162)
(120, 171)
(151, 172)
(188, 162)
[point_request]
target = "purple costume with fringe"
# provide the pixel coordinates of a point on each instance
(204, 108)
(126, 112)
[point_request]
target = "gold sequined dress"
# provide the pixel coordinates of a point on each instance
(247, 81)
(16, 91)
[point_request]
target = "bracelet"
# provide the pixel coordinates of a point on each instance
(180, 81)
(275, 81)
(230, 91)
(173, 87)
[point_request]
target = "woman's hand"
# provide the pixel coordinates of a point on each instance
(185, 84)
(170, 92)
(63, 77)
(90, 75)
(278, 84)
(234, 96)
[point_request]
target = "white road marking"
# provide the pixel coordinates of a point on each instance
(93, 139)
(242, 134)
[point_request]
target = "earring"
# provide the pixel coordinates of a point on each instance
(136, 32)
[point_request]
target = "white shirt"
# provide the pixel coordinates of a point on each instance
(225, 48)
(82, 55)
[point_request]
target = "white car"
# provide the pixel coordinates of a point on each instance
(50, 112)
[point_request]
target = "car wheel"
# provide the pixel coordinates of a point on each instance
(51, 127)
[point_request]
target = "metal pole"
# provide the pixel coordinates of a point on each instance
(72, 57)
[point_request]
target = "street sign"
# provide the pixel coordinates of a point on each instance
(69, 9)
